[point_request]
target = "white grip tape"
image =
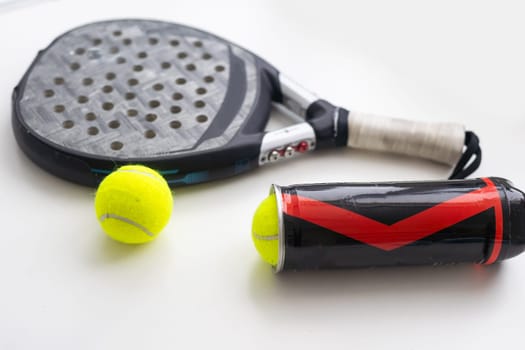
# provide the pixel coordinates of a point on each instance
(441, 142)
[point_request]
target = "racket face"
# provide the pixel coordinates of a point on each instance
(150, 92)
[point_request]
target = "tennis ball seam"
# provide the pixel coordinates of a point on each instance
(106, 216)
(265, 238)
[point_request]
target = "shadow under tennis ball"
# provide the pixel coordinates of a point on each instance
(110, 251)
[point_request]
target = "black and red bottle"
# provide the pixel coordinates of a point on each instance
(395, 223)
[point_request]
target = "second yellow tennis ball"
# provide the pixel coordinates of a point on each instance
(265, 230)
(133, 204)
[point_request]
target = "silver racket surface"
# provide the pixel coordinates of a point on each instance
(190, 104)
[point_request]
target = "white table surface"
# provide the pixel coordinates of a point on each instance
(201, 284)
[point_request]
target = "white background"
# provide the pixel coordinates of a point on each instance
(201, 284)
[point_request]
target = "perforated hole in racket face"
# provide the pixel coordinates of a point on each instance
(142, 91)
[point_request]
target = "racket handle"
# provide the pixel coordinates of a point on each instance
(441, 142)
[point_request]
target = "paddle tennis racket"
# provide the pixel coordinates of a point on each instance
(191, 105)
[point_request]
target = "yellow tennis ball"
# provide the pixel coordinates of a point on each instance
(133, 204)
(265, 230)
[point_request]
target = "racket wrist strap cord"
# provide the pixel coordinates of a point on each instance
(470, 159)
